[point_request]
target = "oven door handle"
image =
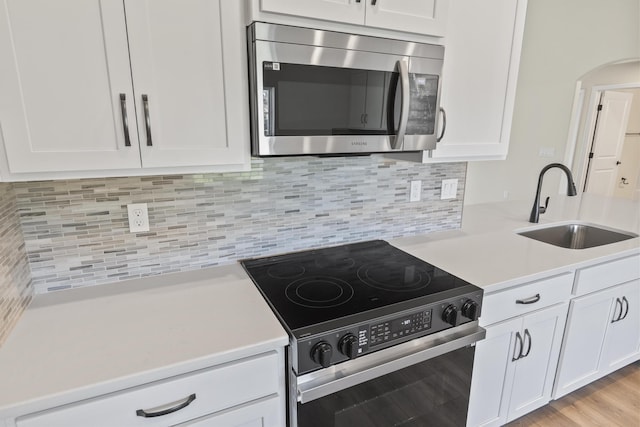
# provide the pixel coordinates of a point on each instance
(318, 384)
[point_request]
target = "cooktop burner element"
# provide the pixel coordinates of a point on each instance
(394, 276)
(319, 292)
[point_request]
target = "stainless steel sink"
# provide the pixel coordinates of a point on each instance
(577, 235)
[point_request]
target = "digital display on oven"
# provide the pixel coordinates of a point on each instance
(400, 327)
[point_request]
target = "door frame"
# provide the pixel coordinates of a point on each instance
(580, 171)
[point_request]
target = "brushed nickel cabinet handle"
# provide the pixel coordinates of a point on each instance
(166, 409)
(615, 310)
(626, 308)
(518, 340)
(147, 119)
(125, 120)
(527, 334)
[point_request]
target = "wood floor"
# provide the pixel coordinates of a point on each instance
(610, 401)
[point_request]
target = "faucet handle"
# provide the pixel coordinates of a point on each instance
(543, 209)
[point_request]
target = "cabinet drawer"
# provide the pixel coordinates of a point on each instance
(601, 276)
(523, 299)
(215, 389)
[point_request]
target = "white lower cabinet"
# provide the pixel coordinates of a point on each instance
(514, 366)
(263, 413)
(248, 392)
(603, 334)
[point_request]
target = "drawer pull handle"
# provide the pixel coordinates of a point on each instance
(531, 300)
(166, 409)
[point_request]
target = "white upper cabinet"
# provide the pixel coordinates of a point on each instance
(120, 87)
(179, 80)
(482, 56)
(414, 16)
(427, 17)
(62, 79)
(348, 11)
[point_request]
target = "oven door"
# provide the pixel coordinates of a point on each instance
(421, 382)
(326, 100)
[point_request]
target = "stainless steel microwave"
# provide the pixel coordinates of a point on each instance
(317, 92)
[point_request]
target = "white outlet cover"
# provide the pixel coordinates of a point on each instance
(449, 189)
(138, 217)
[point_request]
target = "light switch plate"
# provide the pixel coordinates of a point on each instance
(449, 189)
(416, 188)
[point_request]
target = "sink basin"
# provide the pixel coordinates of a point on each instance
(577, 235)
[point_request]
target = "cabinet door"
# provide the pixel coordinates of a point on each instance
(415, 16)
(348, 11)
(493, 374)
(589, 317)
(621, 344)
(65, 65)
(482, 55)
(179, 81)
(536, 368)
(263, 413)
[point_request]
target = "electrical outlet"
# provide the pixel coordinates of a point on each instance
(449, 189)
(414, 194)
(138, 217)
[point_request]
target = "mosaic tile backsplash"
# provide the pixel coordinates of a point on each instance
(15, 284)
(76, 231)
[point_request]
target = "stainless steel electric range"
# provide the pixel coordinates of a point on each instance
(378, 337)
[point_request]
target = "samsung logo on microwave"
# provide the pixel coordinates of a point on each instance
(359, 143)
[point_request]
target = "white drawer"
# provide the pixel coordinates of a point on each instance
(215, 389)
(601, 276)
(525, 298)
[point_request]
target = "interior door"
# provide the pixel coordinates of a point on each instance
(64, 68)
(608, 139)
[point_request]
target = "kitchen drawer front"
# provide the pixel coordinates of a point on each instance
(601, 276)
(526, 298)
(215, 389)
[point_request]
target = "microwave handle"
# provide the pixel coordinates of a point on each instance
(404, 111)
(444, 124)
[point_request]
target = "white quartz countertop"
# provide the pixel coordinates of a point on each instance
(104, 338)
(90, 341)
(489, 253)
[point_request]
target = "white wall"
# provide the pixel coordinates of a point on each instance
(563, 40)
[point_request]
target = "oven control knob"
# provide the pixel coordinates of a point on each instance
(450, 315)
(348, 346)
(321, 354)
(470, 309)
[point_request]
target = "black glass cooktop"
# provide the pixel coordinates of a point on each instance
(311, 287)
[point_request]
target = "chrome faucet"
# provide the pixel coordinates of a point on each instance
(571, 190)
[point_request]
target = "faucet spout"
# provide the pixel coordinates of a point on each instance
(571, 188)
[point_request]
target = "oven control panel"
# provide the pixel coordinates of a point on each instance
(324, 350)
(399, 327)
